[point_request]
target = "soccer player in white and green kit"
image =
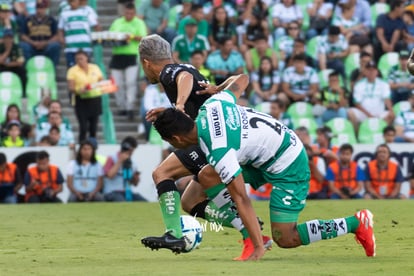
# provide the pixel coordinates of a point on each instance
(243, 145)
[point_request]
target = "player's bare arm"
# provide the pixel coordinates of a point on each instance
(241, 82)
(184, 86)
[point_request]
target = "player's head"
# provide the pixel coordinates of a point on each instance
(175, 127)
(154, 50)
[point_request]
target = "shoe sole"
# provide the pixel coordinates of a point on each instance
(158, 245)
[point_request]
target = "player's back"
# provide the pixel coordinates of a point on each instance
(168, 79)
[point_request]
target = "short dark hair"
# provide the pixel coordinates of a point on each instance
(129, 6)
(280, 103)
(383, 146)
(388, 129)
(334, 30)
(299, 57)
(345, 147)
(333, 74)
(197, 52)
(195, 7)
(3, 158)
(300, 40)
(42, 155)
(171, 122)
(129, 143)
(364, 54)
(54, 128)
(395, 4)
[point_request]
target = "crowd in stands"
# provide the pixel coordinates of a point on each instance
(335, 71)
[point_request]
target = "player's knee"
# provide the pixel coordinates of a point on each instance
(160, 174)
(286, 239)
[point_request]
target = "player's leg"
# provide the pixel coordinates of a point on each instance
(222, 209)
(288, 200)
(178, 164)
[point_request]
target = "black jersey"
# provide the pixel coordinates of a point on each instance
(168, 78)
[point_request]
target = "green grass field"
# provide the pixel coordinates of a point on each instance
(104, 239)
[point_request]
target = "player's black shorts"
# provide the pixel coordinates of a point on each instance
(193, 158)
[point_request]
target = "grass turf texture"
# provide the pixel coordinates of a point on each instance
(104, 239)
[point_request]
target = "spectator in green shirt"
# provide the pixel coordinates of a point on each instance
(124, 67)
(184, 45)
(198, 15)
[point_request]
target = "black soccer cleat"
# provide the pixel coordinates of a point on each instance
(167, 241)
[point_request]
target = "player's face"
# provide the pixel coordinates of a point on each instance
(149, 72)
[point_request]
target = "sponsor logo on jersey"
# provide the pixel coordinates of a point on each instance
(232, 118)
(215, 118)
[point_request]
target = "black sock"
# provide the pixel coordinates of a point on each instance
(199, 209)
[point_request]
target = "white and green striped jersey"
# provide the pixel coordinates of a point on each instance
(77, 25)
(300, 83)
(328, 47)
(232, 135)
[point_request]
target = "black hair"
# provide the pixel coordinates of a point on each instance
(129, 5)
(214, 23)
(300, 40)
(262, 74)
(383, 146)
(333, 74)
(10, 106)
(299, 57)
(364, 54)
(280, 103)
(334, 30)
(54, 128)
(12, 124)
(42, 155)
(223, 40)
(388, 129)
(171, 122)
(195, 7)
(409, 13)
(345, 147)
(395, 4)
(79, 156)
(3, 158)
(25, 130)
(197, 52)
(129, 143)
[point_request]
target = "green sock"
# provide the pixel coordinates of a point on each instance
(315, 230)
(221, 209)
(170, 204)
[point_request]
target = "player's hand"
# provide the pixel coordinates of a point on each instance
(208, 89)
(152, 114)
(124, 155)
(257, 253)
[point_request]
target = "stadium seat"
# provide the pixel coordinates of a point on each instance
(306, 18)
(37, 82)
(173, 16)
(351, 63)
(386, 62)
(312, 47)
(10, 92)
(343, 131)
(401, 107)
(370, 131)
(377, 9)
(40, 64)
(263, 107)
(300, 110)
(309, 123)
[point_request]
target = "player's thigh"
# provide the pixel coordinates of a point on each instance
(287, 200)
(170, 168)
(253, 176)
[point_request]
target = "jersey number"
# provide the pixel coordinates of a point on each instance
(274, 125)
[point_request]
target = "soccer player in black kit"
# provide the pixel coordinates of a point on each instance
(187, 89)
